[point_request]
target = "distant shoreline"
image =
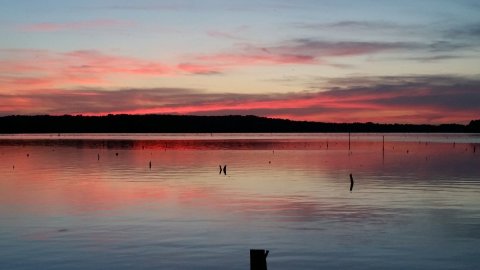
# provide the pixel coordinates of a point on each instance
(206, 124)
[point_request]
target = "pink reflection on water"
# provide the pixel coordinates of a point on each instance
(287, 179)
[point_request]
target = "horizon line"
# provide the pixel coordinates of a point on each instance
(234, 115)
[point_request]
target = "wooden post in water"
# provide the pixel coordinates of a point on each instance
(351, 182)
(258, 259)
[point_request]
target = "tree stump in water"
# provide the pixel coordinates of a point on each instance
(258, 259)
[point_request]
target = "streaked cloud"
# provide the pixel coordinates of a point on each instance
(412, 99)
(299, 51)
(74, 26)
(20, 69)
(319, 48)
(23, 68)
(350, 25)
(465, 31)
(436, 37)
(198, 69)
(97, 57)
(434, 58)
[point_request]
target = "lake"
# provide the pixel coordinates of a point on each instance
(160, 201)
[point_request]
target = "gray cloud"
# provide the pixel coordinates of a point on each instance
(469, 32)
(321, 52)
(447, 46)
(440, 37)
(297, 51)
(327, 48)
(444, 97)
(448, 92)
(383, 26)
(434, 58)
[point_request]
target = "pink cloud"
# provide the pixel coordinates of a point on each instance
(68, 26)
(255, 58)
(197, 69)
(428, 99)
(90, 61)
(298, 52)
(22, 69)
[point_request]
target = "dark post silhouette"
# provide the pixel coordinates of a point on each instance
(225, 169)
(98, 156)
(351, 182)
(220, 166)
(258, 259)
(150, 164)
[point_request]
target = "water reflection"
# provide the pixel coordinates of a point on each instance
(163, 204)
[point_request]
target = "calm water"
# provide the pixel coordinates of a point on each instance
(92, 202)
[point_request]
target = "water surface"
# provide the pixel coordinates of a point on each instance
(73, 201)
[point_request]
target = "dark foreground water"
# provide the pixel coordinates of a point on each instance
(93, 202)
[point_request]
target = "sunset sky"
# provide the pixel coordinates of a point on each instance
(386, 61)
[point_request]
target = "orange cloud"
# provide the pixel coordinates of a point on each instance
(24, 69)
(417, 99)
(428, 99)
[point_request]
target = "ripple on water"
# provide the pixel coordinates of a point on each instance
(66, 209)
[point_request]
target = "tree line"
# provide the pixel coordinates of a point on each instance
(153, 123)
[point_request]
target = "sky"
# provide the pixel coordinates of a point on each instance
(385, 61)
